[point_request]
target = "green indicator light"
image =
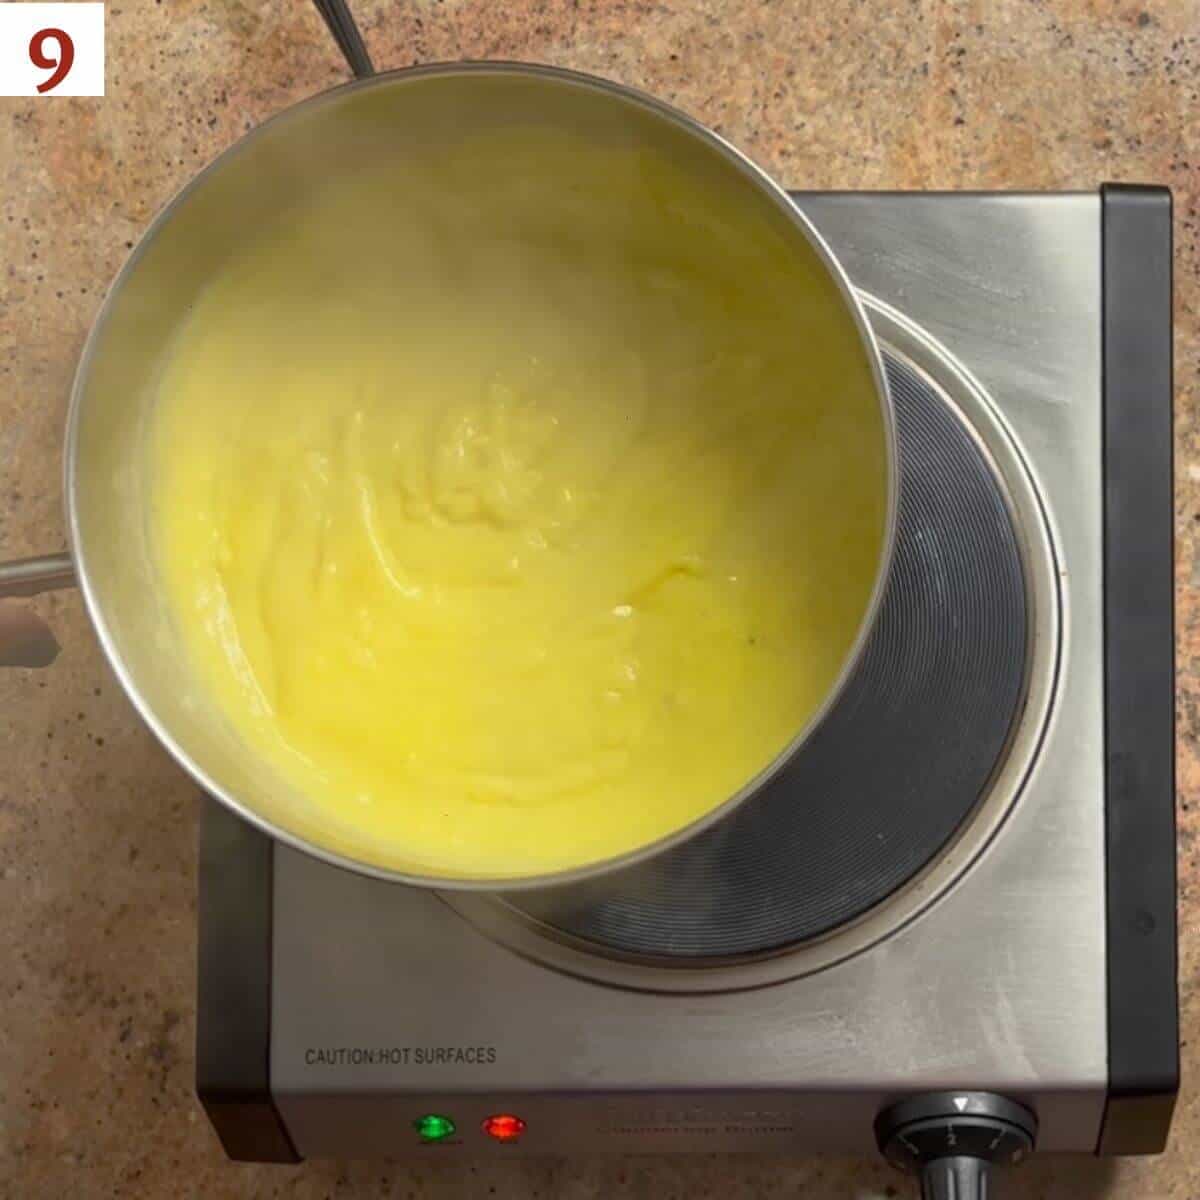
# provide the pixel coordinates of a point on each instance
(433, 1128)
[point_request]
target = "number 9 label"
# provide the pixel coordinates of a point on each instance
(51, 49)
(60, 66)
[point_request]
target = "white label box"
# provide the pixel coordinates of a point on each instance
(51, 49)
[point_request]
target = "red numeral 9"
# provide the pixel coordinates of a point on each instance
(61, 65)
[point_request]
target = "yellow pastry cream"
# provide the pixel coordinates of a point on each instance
(513, 525)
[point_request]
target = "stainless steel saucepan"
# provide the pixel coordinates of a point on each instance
(235, 199)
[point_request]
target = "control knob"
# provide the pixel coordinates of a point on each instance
(953, 1140)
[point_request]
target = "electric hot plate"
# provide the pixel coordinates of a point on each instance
(947, 931)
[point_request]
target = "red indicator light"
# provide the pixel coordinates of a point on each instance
(504, 1127)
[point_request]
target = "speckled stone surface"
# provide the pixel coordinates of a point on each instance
(97, 826)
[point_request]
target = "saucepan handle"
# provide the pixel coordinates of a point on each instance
(32, 576)
(25, 639)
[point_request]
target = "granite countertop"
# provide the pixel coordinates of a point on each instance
(97, 825)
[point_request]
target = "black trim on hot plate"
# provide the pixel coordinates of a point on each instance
(233, 1011)
(1139, 649)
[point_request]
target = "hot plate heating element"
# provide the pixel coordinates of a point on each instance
(909, 776)
(947, 933)
(899, 764)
